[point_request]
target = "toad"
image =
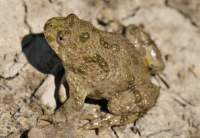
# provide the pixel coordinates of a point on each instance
(103, 65)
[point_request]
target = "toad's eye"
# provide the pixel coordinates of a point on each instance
(60, 38)
(63, 37)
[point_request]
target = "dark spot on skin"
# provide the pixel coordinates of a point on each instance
(135, 59)
(105, 44)
(79, 104)
(83, 23)
(123, 119)
(99, 91)
(97, 59)
(55, 24)
(84, 37)
(109, 122)
(141, 81)
(50, 38)
(82, 69)
(95, 30)
(130, 79)
(127, 63)
(105, 68)
(101, 62)
(109, 46)
(71, 21)
(73, 46)
(138, 98)
(88, 59)
(152, 87)
(67, 32)
(116, 47)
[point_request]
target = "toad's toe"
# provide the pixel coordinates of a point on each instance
(49, 118)
(108, 120)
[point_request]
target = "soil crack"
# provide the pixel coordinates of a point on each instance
(26, 16)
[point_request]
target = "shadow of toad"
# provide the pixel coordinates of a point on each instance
(40, 55)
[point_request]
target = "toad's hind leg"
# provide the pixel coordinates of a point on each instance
(125, 107)
(137, 100)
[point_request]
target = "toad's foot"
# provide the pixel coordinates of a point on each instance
(56, 117)
(103, 121)
(48, 118)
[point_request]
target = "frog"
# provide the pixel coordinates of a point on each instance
(104, 65)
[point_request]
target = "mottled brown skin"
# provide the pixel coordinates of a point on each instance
(102, 65)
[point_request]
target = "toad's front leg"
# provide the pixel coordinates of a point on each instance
(75, 102)
(125, 107)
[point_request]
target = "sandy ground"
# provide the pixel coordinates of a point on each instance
(27, 65)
